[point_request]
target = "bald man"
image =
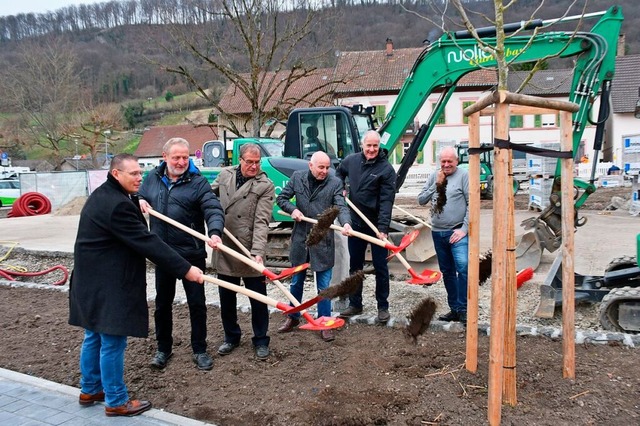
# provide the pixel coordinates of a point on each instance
(314, 190)
(448, 191)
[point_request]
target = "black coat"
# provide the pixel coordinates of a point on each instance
(190, 202)
(372, 188)
(311, 204)
(108, 284)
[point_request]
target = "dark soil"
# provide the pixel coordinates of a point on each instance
(370, 375)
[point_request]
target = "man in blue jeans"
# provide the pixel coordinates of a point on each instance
(448, 191)
(315, 191)
(108, 288)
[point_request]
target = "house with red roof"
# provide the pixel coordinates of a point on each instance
(149, 150)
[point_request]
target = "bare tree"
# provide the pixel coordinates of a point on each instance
(43, 87)
(259, 47)
(94, 125)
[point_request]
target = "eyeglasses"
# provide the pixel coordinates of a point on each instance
(251, 163)
(134, 174)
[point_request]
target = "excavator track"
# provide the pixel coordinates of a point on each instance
(613, 302)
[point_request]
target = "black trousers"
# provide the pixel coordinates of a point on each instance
(165, 295)
(259, 311)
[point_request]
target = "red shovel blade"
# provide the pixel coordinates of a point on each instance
(285, 273)
(523, 276)
(323, 323)
(426, 277)
(404, 243)
(304, 305)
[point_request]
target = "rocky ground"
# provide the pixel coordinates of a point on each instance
(368, 375)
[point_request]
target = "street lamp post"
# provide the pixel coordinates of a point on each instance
(106, 146)
(77, 157)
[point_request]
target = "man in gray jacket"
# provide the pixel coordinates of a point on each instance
(314, 190)
(448, 191)
(246, 195)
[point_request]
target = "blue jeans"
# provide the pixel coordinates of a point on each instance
(357, 249)
(323, 279)
(453, 260)
(102, 367)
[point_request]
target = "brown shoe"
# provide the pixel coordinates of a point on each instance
(88, 399)
(288, 325)
(133, 407)
(328, 335)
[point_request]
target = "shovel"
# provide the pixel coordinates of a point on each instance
(426, 277)
(322, 323)
(406, 240)
(416, 218)
(252, 263)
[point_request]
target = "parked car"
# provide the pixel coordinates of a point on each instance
(9, 191)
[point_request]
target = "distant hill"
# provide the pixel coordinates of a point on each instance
(112, 39)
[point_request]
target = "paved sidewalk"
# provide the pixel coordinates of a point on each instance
(27, 400)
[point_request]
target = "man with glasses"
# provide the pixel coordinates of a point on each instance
(108, 288)
(247, 196)
(177, 189)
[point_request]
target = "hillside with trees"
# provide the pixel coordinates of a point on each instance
(132, 52)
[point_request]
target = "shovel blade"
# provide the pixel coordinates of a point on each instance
(528, 252)
(426, 277)
(323, 323)
(547, 304)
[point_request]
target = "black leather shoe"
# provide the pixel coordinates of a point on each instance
(462, 317)
(451, 316)
(226, 348)
(203, 361)
(288, 325)
(160, 359)
(262, 352)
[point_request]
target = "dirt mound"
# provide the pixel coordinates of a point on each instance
(73, 207)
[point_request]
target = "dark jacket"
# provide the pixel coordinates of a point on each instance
(372, 188)
(189, 201)
(248, 211)
(311, 204)
(108, 284)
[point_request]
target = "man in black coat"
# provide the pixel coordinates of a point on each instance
(107, 295)
(372, 189)
(177, 189)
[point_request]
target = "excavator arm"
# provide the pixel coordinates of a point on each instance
(443, 63)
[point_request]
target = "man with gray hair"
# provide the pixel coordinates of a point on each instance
(247, 196)
(448, 191)
(177, 189)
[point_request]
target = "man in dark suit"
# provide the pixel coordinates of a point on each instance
(107, 294)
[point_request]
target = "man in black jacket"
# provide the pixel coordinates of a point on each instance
(372, 189)
(108, 288)
(177, 189)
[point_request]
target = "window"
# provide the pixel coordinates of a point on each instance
(537, 120)
(381, 114)
(516, 122)
(466, 104)
(441, 119)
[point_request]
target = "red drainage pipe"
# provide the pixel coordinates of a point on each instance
(30, 204)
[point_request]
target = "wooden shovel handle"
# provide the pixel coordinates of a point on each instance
(278, 284)
(372, 240)
(412, 216)
(249, 293)
(374, 229)
(252, 263)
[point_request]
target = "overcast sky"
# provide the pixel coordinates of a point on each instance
(14, 7)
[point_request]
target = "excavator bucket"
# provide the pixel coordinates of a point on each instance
(528, 252)
(547, 304)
